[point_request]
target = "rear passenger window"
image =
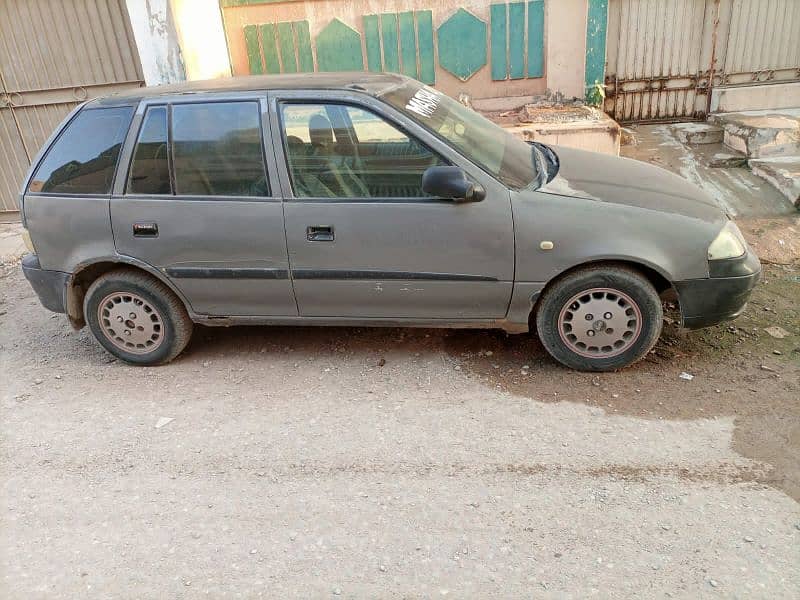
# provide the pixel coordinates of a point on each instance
(83, 158)
(149, 172)
(217, 149)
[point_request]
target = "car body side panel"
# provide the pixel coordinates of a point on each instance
(67, 231)
(584, 231)
(459, 256)
(227, 257)
(523, 300)
(40, 155)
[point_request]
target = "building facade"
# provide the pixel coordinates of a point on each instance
(653, 60)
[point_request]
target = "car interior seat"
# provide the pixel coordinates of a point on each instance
(336, 173)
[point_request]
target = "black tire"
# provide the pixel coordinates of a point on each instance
(169, 324)
(564, 299)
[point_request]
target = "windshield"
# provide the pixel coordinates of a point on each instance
(491, 147)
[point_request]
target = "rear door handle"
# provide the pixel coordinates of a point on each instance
(145, 230)
(319, 233)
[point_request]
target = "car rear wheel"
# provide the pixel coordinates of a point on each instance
(137, 318)
(599, 318)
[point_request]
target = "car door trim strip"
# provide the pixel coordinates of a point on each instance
(328, 274)
(226, 273)
(372, 274)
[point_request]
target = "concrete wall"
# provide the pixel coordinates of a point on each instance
(179, 39)
(566, 46)
(564, 38)
(156, 40)
(202, 39)
(755, 97)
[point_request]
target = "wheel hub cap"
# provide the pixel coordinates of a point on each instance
(600, 323)
(130, 323)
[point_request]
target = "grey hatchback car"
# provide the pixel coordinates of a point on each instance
(361, 199)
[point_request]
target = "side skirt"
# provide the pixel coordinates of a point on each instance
(523, 299)
(503, 324)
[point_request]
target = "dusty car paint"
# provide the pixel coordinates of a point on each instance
(614, 208)
(630, 182)
(424, 262)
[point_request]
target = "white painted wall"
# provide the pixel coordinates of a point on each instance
(157, 41)
(202, 38)
(185, 39)
(565, 46)
(755, 97)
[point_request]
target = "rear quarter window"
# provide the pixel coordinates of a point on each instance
(83, 158)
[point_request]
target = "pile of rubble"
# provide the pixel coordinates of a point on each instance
(554, 119)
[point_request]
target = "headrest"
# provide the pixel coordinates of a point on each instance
(320, 131)
(293, 140)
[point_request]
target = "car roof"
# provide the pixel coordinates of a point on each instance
(357, 81)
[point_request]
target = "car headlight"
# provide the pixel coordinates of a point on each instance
(728, 244)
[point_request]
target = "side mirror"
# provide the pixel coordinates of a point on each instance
(451, 183)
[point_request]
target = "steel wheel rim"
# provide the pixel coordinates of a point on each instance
(130, 323)
(600, 323)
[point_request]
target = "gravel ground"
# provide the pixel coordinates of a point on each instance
(399, 463)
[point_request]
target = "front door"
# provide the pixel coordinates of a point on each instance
(197, 204)
(364, 240)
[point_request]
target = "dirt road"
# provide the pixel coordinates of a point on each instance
(297, 463)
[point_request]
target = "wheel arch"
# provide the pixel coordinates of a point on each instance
(87, 273)
(657, 278)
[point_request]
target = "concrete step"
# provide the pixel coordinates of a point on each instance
(727, 159)
(736, 190)
(580, 127)
(697, 133)
(782, 173)
(714, 155)
(761, 134)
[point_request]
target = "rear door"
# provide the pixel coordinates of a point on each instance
(364, 240)
(197, 203)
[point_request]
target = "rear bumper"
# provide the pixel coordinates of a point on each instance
(50, 286)
(706, 302)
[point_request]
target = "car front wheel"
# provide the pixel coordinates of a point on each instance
(599, 318)
(136, 317)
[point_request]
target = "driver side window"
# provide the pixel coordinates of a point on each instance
(341, 151)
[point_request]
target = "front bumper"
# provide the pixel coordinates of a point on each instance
(721, 297)
(50, 286)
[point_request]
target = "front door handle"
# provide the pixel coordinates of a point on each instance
(145, 230)
(319, 233)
